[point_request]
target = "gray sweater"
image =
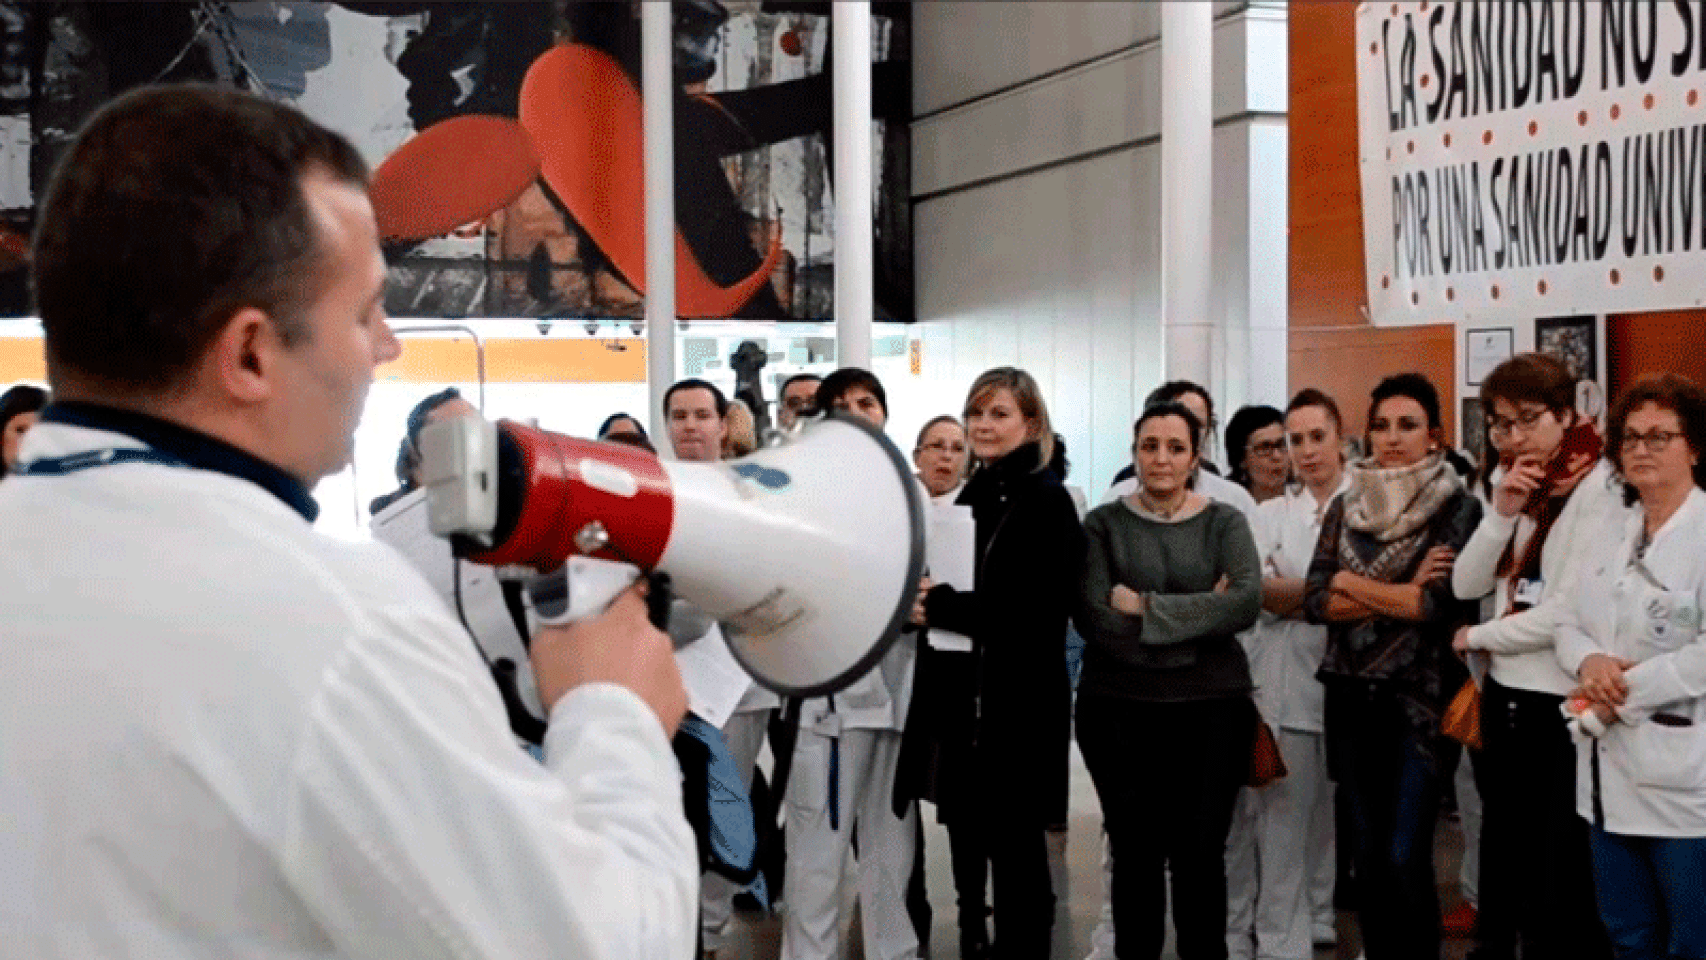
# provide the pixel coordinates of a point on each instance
(1185, 646)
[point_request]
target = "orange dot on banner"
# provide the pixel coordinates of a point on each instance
(791, 43)
(1448, 140)
(1648, 102)
(1693, 97)
(1616, 111)
(1659, 274)
(1582, 117)
(1533, 127)
(1487, 138)
(1385, 283)
(1616, 276)
(1415, 298)
(1394, 9)
(1541, 286)
(1495, 291)
(1450, 294)
(1412, 146)
(1374, 48)
(1424, 81)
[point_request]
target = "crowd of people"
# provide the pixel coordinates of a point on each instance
(261, 741)
(1329, 607)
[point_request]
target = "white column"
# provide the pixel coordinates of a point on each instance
(1187, 202)
(854, 201)
(658, 81)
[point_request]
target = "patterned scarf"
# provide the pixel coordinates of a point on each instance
(1573, 460)
(1393, 506)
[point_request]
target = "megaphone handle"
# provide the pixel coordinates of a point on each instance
(525, 725)
(659, 595)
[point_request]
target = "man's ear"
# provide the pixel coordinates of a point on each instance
(243, 358)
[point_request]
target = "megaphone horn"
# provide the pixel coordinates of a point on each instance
(809, 551)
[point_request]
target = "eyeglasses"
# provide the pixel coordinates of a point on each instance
(1501, 427)
(1267, 448)
(1655, 441)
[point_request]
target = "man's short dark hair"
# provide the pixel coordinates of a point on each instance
(799, 378)
(836, 385)
(693, 383)
(1172, 390)
(173, 209)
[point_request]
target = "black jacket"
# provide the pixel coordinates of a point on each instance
(1007, 747)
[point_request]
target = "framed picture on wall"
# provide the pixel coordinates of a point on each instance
(1485, 349)
(1571, 340)
(1472, 430)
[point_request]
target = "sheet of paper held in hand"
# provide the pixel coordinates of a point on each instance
(715, 682)
(404, 526)
(950, 554)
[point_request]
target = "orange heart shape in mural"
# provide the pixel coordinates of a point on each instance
(584, 117)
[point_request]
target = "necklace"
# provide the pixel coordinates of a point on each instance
(1166, 513)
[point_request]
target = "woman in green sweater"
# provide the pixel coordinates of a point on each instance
(1165, 719)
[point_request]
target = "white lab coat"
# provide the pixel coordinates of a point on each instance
(863, 730)
(1521, 644)
(224, 735)
(1652, 776)
(1280, 863)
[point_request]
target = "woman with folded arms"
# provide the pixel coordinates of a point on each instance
(1633, 639)
(1165, 718)
(1381, 582)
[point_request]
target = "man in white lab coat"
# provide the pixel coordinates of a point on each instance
(223, 734)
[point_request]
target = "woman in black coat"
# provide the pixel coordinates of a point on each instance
(1001, 773)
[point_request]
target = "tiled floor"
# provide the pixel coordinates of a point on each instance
(759, 938)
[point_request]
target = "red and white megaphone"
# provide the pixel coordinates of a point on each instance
(808, 551)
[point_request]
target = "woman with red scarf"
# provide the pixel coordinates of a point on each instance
(1551, 487)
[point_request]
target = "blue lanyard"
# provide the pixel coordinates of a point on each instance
(93, 459)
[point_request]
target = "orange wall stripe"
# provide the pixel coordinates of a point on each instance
(452, 360)
(21, 358)
(438, 361)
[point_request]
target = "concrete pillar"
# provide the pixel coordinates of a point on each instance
(658, 81)
(854, 200)
(1187, 203)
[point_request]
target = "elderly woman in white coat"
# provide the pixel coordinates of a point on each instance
(1633, 638)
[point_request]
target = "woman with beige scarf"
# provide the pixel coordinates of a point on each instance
(1381, 581)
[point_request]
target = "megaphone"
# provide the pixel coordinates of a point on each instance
(808, 551)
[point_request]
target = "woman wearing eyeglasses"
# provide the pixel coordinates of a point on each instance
(1633, 639)
(1255, 442)
(1550, 489)
(1381, 582)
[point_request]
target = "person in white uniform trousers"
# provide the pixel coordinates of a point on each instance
(845, 760)
(1633, 639)
(1218, 489)
(1283, 838)
(695, 414)
(224, 733)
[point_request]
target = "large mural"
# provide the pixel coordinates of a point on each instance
(506, 139)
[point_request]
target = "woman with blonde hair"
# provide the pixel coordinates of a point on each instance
(741, 434)
(1001, 775)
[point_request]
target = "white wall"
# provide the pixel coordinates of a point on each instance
(1036, 181)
